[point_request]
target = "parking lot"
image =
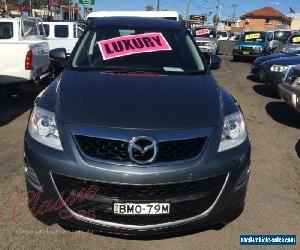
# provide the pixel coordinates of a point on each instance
(273, 200)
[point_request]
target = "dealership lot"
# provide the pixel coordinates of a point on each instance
(272, 205)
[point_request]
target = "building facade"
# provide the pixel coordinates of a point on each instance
(266, 18)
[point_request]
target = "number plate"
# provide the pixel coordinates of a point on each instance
(141, 208)
(246, 53)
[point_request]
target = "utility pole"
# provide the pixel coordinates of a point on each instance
(5, 7)
(158, 5)
(234, 11)
(218, 8)
(188, 4)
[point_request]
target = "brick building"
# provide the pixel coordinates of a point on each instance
(266, 18)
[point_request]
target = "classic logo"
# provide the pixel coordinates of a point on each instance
(142, 150)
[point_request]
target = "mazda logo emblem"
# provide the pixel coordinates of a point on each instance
(142, 150)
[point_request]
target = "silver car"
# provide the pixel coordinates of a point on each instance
(293, 43)
(206, 39)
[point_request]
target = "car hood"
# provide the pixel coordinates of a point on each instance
(250, 44)
(271, 57)
(138, 100)
(206, 39)
(285, 61)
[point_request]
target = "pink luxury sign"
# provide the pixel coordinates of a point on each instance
(133, 44)
(202, 32)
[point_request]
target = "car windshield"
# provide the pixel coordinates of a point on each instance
(253, 37)
(282, 36)
(204, 32)
(295, 39)
(138, 49)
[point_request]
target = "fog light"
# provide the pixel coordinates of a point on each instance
(243, 179)
(29, 172)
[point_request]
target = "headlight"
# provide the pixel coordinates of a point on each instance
(42, 128)
(278, 68)
(236, 47)
(297, 81)
(234, 131)
(259, 48)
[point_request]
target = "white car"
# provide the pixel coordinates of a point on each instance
(24, 51)
(223, 36)
(63, 34)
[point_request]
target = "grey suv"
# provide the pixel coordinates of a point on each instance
(135, 136)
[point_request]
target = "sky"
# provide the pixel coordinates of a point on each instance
(199, 6)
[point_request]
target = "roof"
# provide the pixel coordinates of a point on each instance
(137, 22)
(133, 13)
(264, 12)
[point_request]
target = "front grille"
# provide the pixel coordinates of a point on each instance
(115, 150)
(187, 199)
(203, 43)
(247, 49)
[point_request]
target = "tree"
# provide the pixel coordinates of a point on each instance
(216, 20)
(149, 8)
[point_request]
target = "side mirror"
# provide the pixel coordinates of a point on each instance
(58, 57)
(214, 61)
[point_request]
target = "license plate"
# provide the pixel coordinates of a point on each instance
(141, 208)
(246, 53)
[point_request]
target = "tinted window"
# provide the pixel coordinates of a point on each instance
(282, 36)
(181, 58)
(294, 39)
(6, 30)
(61, 31)
(47, 29)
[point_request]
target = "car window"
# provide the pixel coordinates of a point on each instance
(61, 31)
(282, 36)
(78, 30)
(106, 48)
(295, 39)
(30, 28)
(46, 29)
(6, 30)
(253, 37)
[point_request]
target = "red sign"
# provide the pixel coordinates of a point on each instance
(54, 3)
(133, 44)
(202, 32)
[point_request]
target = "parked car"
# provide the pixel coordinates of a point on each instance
(274, 71)
(137, 128)
(63, 34)
(252, 44)
(289, 91)
(259, 62)
(24, 51)
(206, 39)
(293, 43)
(223, 36)
(282, 35)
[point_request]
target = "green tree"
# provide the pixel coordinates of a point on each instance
(216, 20)
(149, 8)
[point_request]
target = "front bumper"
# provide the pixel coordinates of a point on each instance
(272, 79)
(233, 164)
(208, 49)
(247, 53)
(290, 95)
